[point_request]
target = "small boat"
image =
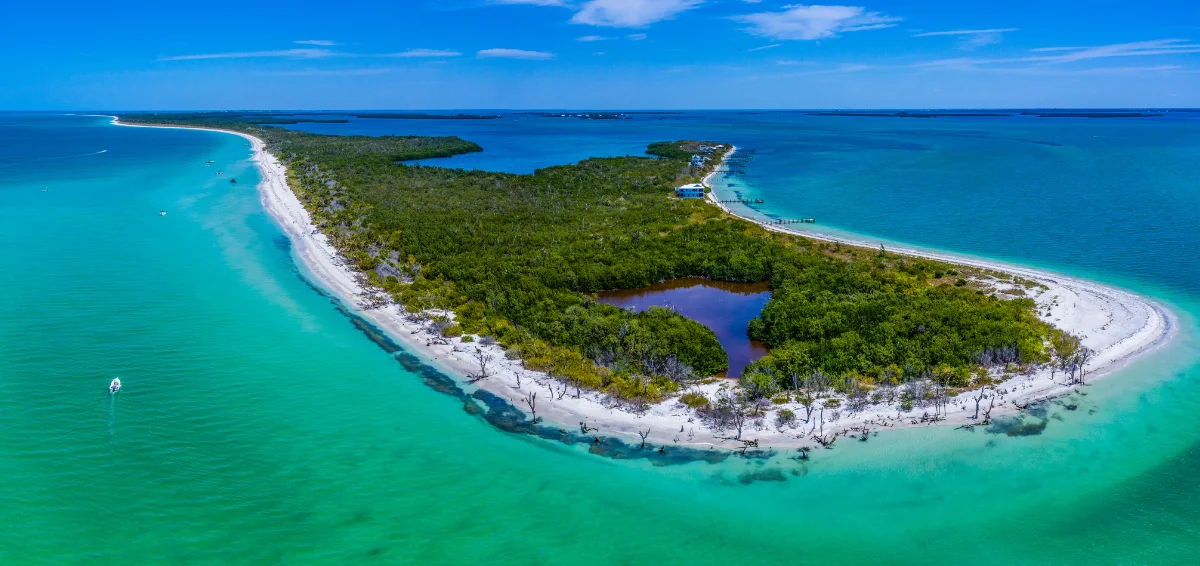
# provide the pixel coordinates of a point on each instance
(162, 213)
(209, 162)
(115, 386)
(233, 180)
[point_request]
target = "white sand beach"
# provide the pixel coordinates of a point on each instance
(1116, 324)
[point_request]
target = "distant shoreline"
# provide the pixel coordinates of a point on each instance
(1135, 326)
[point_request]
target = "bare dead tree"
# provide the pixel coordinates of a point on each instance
(531, 400)
(825, 442)
(562, 391)
(982, 393)
(1084, 355)
(987, 415)
(518, 379)
(676, 370)
(644, 435)
(483, 358)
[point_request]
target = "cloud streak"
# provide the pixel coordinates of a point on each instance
(630, 13)
(280, 53)
(313, 53)
(964, 32)
(501, 53)
(806, 23)
(972, 38)
(559, 3)
(1047, 56)
(425, 53)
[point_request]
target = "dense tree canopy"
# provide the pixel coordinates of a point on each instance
(518, 256)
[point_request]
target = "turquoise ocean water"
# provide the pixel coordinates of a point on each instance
(259, 425)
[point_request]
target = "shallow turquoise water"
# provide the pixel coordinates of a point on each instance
(257, 424)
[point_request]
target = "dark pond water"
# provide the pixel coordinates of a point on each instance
(724, 307)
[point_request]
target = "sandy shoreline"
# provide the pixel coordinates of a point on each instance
(1116, 324)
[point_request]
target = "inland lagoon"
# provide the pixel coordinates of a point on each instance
(725, 307)
(257, 423)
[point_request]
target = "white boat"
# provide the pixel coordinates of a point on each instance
(115, 386)
(162, 213)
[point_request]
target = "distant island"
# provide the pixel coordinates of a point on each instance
(496, 275)
(582, 115)
(411, 116)
(908, 114)
(1092, 114)
(968, 114)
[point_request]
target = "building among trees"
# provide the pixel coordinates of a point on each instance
(693, 190)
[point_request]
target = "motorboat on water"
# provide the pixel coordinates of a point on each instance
(115, 386)
(162, 213)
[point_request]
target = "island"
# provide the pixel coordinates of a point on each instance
(496, 276)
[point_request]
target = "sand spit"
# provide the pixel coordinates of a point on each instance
(1116, 324)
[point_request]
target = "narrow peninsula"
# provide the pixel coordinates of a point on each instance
(495, 276)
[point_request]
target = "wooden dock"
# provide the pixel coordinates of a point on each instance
(741, 201)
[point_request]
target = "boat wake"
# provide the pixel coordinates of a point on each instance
(40, 159)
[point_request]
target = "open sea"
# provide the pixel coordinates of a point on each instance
(259, 425)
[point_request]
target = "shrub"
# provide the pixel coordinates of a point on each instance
(694, 399)
(453, 329)
(468, 338)
(759, 385)
(784, 418)
(960, 283)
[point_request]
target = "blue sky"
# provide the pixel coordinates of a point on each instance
(413, 54)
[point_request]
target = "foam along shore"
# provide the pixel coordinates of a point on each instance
(1114, 323)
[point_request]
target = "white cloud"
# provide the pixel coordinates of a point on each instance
(288, 53)
(324, 42)
(1135, 49)
(799, 22)
(771, 46)
(1061, 55)
(333, 72)
(636, 36)
(630, 13)
(499, 53)
(532, 2)
(964, 32)
(425, 53)
(592, 38)
(971, 38)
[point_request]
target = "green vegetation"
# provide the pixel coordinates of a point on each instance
(694, 400)
(516, 257)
